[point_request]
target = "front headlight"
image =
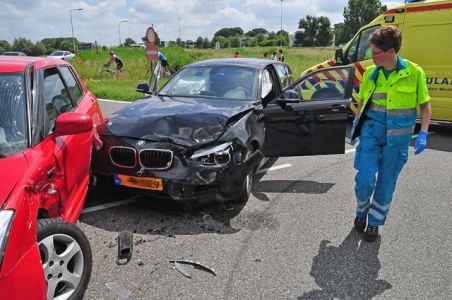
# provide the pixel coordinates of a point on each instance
(6, 219)
(216, 155)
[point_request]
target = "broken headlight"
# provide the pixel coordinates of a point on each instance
(216, 155)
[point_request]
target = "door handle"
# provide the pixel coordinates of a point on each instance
(51, 190)
(337, 107)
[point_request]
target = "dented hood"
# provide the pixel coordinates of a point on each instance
(184, 121)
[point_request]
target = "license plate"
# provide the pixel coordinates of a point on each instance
(154, 184)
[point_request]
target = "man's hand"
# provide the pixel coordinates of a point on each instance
(421, 142)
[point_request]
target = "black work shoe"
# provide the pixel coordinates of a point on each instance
(371, 233)
(360, 224)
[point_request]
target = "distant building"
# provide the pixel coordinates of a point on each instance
(291, 40)
(189, 44)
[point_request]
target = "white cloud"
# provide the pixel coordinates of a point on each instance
(38, 19)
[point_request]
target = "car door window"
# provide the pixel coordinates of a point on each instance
(324, 84)
(282, 75)
(72, 84)
(351, 53)
(56, 96)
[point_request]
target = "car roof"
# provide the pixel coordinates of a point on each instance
(256, 63)
(19, 63)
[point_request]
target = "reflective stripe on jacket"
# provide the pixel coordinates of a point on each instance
(405, 90)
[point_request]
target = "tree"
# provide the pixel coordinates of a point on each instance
(129, 42)
(324, 34)
(22, 44)
(224, 43)
(339, 34)
(4, 46)
(315, 31)
(255, 31)
(228, 32)
(260, 37)
(234, 41)
(205, 43)
(37, 50)
(359, 13)
(199, 41)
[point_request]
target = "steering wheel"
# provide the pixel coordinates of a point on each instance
(244, 90)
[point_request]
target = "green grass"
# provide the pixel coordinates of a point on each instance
(89, 64)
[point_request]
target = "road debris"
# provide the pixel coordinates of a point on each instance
(125, 247)
(123, 294)
(196, 264)
(181, 269)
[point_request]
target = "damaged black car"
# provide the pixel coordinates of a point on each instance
(202, 136)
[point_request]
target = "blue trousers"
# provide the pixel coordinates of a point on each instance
(379, 166)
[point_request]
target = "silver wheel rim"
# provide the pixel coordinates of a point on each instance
(62, 261)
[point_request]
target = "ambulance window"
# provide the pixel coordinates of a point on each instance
(351, 53)
(364, 45)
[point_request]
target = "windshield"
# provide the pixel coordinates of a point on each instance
(58, 53)
(12, 114)
(216, 82)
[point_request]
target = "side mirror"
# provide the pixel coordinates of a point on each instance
(339, 57)
(290, 95)
(143, 88)
(72, 123)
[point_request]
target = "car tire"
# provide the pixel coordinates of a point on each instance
(66, 258)
(247, 185)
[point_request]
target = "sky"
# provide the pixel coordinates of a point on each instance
(188, 19)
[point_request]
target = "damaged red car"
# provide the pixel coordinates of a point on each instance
(47, 134)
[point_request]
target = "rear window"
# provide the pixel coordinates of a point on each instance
(13, 127)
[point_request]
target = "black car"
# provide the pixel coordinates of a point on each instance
(202, 136)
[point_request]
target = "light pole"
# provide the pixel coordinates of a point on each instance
(119, 31)
(72, 28)
(281, 25)
(180, 41)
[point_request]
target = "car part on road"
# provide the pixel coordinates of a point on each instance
(196, 264)
(125, 247)
(115, 288)
(181, 269)
(66, 258)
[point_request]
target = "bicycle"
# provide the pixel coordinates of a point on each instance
(108, 73)
(151, 66)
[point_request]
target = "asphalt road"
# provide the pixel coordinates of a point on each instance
(292, 240)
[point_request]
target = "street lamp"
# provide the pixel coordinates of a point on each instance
(119, 30)
(281, 24)
(180, 41)
(72, 27)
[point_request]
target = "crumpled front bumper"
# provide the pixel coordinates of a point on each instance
(186, 180)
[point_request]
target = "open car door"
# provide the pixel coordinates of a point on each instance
(310, 116)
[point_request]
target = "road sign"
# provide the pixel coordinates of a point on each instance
(152, 52)
(85, 46)
(151, 36)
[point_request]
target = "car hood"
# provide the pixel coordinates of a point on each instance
(17, 166)
(184, 121)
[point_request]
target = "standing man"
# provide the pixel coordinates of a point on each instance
(385, 120)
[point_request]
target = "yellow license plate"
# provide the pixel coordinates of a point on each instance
(154, 184)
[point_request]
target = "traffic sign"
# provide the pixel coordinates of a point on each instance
(85, 46)
(152, 52)
(151, 36)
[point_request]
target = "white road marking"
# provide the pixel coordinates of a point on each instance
(109, 205)
(273, 168)
(115, 101)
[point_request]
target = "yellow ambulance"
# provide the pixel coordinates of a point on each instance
(426, 40)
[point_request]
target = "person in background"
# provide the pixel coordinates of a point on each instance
(237, 54)
(274, 55)
(164, 63)
(117, 60)
(390, 92)
(265, 55)
(281, 55)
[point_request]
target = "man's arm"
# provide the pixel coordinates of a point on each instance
(358, 109)
(426, 112)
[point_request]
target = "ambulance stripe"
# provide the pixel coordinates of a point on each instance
(359, 68)
(329, 76)
(331, 63)
(330, 85)
(420, 8)
(316, 78)
(341, 74)
(312, 81)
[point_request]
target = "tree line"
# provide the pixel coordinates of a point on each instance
(312, 32)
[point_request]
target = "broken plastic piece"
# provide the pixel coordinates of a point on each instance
(125, 247)
(198, 264)
(123, 294)
(181, 269)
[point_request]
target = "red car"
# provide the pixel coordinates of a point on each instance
(48, 122)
